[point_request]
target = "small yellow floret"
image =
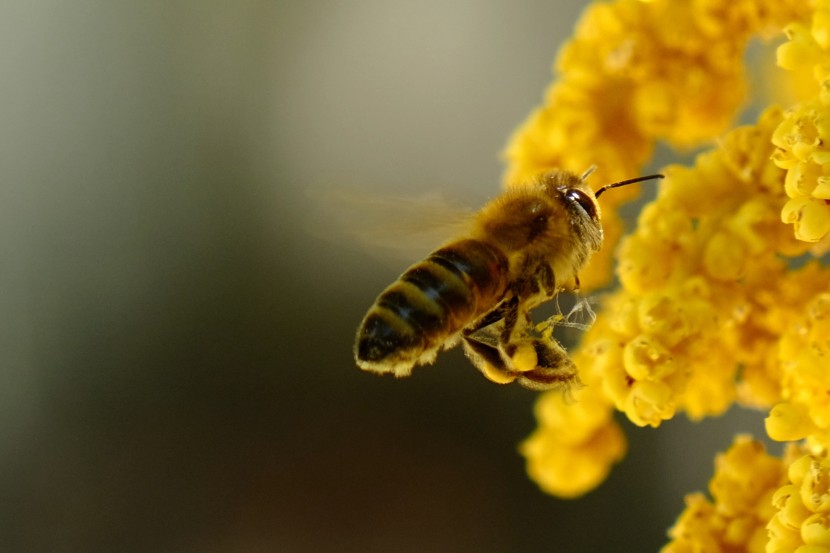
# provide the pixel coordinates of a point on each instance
(815, 488)
(815, 530)
(649, 403)
(803, 137)
(802, 518)
(791, 510)
(572, 469)
(709, 312)
(644, 357)
(744, 491)
(788, 422)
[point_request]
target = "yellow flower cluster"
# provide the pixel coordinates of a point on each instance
(702, 288)
(802, 139)
(711, 311)
(577, 440)
(685, 325)
(802, 508)
(635, 72)
(804, 358)
(745, 480)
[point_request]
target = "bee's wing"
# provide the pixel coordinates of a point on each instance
(393, 229)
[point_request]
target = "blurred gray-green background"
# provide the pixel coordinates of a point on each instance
(178, 314)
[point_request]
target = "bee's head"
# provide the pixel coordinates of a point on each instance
(579, 202)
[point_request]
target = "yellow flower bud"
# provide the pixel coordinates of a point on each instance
(814, 487)
(815, 530)
(663, 316)
(799, 469)
(821, 27)
(624, 317)
(725, 257)
(799, 50)
(649, 403)
(645, 357)
(788, 422)
(572, 471)
(792, 512)
(811, 218)
(822, 189)
(782, 537)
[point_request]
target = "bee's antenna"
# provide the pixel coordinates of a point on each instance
(625, 182)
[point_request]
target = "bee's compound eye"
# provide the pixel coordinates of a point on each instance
(582, 200)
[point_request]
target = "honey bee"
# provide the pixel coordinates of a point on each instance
(522, 249)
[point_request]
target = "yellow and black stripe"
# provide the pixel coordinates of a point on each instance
(431, 301)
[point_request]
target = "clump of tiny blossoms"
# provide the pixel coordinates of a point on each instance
(710, 311)
(634, 73)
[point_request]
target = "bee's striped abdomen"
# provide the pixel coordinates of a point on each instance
(431, 302)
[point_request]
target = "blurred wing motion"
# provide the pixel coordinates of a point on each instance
(393, 229)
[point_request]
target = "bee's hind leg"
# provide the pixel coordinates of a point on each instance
(554, 368)
(537, 363)
(488, 359)
(537, 359)
(482, 341)
(504, 346)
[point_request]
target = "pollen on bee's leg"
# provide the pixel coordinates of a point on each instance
(555, 370)
(487, 360)
(524, 358)
(495, 374)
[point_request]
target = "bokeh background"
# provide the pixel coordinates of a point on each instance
(177, 309)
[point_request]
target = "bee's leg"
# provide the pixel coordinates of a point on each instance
(517, 329)
(487, 359)
(537, 287)
(554, 369)
(546, 364)
(505, 347)
(537, 360)
(499, 325)
(539, 281)
(481, 341)
(491, 317)
(547, 280)
(511, 319)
